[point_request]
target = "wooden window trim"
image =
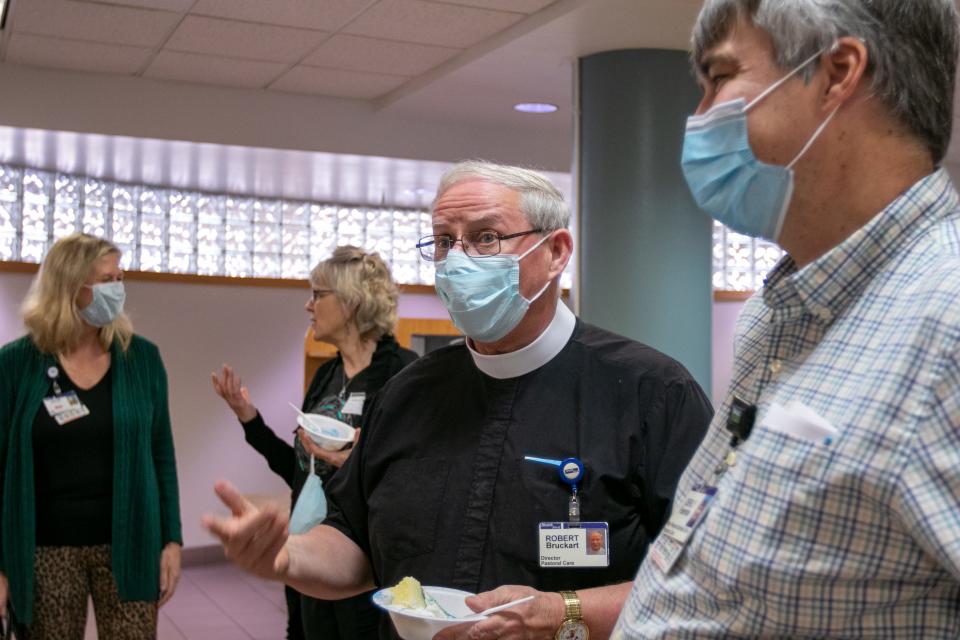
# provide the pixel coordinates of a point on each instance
(285, 283)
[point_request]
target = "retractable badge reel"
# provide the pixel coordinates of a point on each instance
(63, 407)
(572, 543)
(571, 472)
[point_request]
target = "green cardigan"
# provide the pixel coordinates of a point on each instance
(146, 509)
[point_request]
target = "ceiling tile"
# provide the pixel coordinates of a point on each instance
(99, 22)
(517, 6)
(326, 15)
(243, 39)
(192, 67)
(60, 53)
(333, 82)
(356, 53)
(180, 6)
(431, 23)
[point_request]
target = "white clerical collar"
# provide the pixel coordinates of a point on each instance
(533, 356)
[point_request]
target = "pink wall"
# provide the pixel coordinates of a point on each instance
(724, 323)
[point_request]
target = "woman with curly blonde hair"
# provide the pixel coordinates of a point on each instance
(352, 305)
(87, 471)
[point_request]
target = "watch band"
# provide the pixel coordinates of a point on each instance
(571, 606)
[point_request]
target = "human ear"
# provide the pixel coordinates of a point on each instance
(561, 247)
(845, 65)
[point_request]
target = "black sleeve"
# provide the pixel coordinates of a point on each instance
(280, 455)
(346, 495)
(675, 425)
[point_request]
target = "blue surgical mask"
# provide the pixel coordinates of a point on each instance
(107, 304)
(311, 507)
(726, 178)
(482, 295)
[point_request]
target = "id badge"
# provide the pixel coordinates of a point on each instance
(687, 514)
(354, 404)
(576, 545)
(65, 407)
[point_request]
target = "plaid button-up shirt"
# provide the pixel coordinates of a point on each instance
(858, 536)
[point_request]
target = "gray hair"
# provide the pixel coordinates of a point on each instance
(912, 49)
(541, 203)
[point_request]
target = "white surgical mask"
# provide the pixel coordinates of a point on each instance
(107, 303)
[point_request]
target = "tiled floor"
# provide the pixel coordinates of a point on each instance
(220, 602)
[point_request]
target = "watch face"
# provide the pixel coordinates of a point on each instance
(573, 630)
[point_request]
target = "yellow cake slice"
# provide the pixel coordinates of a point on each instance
(408, 593)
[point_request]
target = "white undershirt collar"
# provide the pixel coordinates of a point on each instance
(533, 356)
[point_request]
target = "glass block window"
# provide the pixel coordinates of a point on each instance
(175, 231)
(740, 263)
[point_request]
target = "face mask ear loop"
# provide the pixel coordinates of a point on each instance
(540, 293)
(524, 255)
(813, 138)
(776, 85)
(530, 250)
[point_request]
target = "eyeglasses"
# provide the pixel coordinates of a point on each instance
(316, 294)
(476, 244)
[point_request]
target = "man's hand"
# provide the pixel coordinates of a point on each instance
(169, 572)
(229, 387)
(253, 539)
(538, 618)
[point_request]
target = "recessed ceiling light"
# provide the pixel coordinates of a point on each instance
(4, 5)
(535, 107)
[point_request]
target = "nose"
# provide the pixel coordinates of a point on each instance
(705, 103)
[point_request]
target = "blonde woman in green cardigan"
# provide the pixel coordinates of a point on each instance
(88, 486)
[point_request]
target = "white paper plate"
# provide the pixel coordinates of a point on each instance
(412, 624)
(327, 432)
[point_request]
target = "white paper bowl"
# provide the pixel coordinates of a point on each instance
(416, 625)
(327, 432)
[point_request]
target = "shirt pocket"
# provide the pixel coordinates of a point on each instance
(776, 456)
(776, 506)
(529, 494)
(405, 507)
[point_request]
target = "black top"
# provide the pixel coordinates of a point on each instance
(290, 462)
(438, 488)
(73, 469)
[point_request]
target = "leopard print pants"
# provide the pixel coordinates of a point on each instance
(64, 577)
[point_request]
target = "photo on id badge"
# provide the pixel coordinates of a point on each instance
(574, 544)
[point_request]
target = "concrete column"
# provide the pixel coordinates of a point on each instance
(644, 246)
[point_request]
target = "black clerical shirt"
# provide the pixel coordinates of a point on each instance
(438, 488)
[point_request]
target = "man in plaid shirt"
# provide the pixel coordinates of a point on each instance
(838, 514)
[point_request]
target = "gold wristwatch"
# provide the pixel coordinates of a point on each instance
(573, 627)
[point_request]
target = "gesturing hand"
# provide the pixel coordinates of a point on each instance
(253, 539)
(229, 387)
